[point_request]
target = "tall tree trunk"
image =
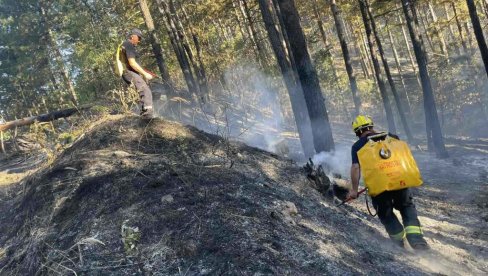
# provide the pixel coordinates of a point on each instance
(197, 70)
(359, 52)
(27, 105)
(346, 30)
(295, 92)
(322, 132)
(49, 36)
(240, 23)
(223, 29)
(178, 48)
(347, 58)
(468, 36)
(377, 69)
(320, 24)
(460, 28)
(330, 59)
(398, 102)
(417, 23)
(409, 51)
(399, 69)
(94, 19)
(451, 29)
(485, 5)
(279, 15)
(422, 18)
(200, 68)
(53, 79)
(438, 33)
(253, 34)
(478, 32)
(431, 118)
(368, 57)
(156, 45)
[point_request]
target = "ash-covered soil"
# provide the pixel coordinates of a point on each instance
(134, 197)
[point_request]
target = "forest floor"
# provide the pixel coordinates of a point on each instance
(134, 197)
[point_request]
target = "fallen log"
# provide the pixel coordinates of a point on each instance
(51, 116)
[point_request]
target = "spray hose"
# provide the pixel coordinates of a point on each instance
(349, 198)
(367, 206)
(365, 190)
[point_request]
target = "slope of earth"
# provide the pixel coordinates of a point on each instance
(134, 197)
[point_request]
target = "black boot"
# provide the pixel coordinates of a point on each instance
(399, 243)
(417, 242)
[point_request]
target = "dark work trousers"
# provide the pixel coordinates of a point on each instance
(141, 86)
(402, 201)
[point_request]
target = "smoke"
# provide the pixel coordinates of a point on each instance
(337, 161)
(254, 92)
(246, 107)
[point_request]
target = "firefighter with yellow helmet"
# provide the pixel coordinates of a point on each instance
(388, 170)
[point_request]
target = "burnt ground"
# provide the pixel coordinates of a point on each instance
(133, 197)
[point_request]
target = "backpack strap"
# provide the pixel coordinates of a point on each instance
(118, 51)
(119, 66)
(378, 135)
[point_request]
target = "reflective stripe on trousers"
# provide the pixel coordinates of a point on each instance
(399, 236)
(413, 230)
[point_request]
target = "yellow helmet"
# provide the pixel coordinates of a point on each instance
(361, 122)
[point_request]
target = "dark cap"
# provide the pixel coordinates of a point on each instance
(136, 32)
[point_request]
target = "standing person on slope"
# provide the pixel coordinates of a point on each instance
(133, 73)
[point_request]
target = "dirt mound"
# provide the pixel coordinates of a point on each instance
(155, 197)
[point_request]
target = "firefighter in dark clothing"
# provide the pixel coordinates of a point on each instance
(387, 200)
(134, 73)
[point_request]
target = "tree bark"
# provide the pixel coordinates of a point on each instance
(438, 32)
(359, 52)
(364, 43)
(285, 38)
(202, 75)
(377, 69)
(320, 24)
(398, 102)
(156, 46)
(451, 30)
(478, 32)
(431, 118)
(48, 117)
(253, 34)
(239, 20)
(49, 36)
(485, 6)
(347, 58)
(330, 58)
(322, 132)
(423, 20)
(178, 48)
(460, 28)
(410, 56)
(295, 92)
(197, 69)
(399, 69)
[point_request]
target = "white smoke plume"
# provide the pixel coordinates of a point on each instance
(337, 161)
(252, 94)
